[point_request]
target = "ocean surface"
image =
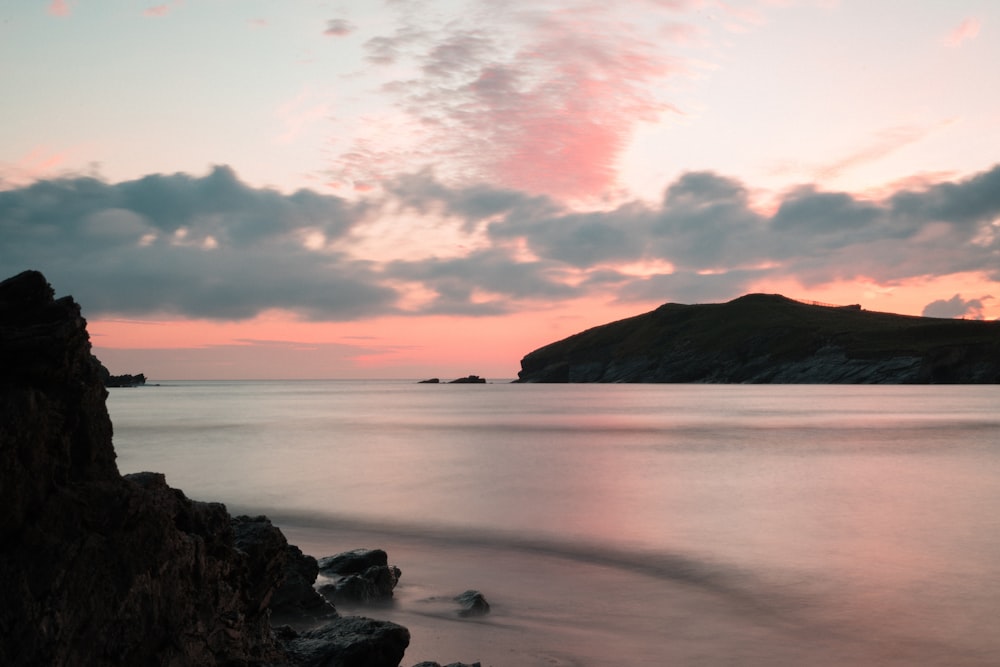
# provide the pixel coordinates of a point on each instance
(621, 524)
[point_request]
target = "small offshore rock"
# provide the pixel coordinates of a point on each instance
(473, 604)
(469, 379)
(430, 381)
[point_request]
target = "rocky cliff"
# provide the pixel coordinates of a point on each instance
(761, 338)
(101, 569)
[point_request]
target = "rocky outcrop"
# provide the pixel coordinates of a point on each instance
(764, 338)
(469, 379)
(101, 569)
(95, 568)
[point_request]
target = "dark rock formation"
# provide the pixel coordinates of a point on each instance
(469, 379)
(95, 568)
(352, 562)
(763, 338)
(100, 569)
(351, 642)
(361, 576)
(297, 598)
(473, 604)
(430, 381)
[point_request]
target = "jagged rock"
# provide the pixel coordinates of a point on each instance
(95, 568)
(353, 641)
(361, 576)
(296, 597)
(352, 562)
(101, 569)
(473, 604)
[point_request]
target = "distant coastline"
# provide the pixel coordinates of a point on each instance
(768, 338)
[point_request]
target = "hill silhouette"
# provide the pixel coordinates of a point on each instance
(769, 338)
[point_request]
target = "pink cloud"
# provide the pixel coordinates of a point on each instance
(543, 101)
(59, 8)
(162, 9)
(967, 30)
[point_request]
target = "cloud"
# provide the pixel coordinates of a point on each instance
(423, 193)
(203, 247)
(338, 28)
(882, 144)
(162, 9)
(716, 242)
(966, 31)
(486, 282)
(542, 100)
(59, 8)
(956, 306)
(213, 247)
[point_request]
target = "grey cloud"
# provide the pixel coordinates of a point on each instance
(338, 28)
(956, 306)
(421, 192)
(491, 271)
(689, 287)
(583, 239)
(974, 200)
(208, 247)
(213, 247)
(705, 224)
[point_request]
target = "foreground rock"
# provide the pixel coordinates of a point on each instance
(361, 576)
(351, 642)
(100, 569)
(763, 338)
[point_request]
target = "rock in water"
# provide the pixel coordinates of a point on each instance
(361, 576)
(473, 604)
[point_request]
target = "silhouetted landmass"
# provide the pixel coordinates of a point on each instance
(767, 338)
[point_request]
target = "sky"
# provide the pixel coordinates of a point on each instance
(434, 188)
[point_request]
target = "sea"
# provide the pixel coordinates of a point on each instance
(620, 524)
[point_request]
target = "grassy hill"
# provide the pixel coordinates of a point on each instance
(770, 338)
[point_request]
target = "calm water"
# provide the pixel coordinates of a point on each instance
(621, 524)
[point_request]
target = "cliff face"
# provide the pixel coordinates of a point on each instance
(770, 339)
(96, 568)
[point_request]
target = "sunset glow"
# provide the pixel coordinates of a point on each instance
(409, 190)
